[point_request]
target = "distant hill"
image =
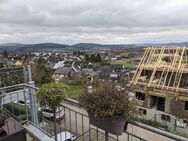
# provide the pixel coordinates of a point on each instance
(41, 47)
(10, 46)
(31, 47)
(165, 44)
(112, 46)
(16, 47)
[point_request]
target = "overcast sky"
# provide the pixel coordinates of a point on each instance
(97, 21)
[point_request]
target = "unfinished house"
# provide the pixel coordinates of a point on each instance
(161, 80)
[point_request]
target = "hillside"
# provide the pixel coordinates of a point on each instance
(41, 47)
(16, 47)
(32, 47)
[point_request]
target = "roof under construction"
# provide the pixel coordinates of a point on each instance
(164, 68)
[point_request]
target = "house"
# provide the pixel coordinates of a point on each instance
(105, 72)
(61, 72)
(59, 64)
(50, 65)
(109, 73)
(7, 62)
(114, 58)
(18, 63)
(133, 66)
(90, 74)
(117, 67)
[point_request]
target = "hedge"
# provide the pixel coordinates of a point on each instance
(19, 111)
(15, 108)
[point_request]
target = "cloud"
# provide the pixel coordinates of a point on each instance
(101, 21)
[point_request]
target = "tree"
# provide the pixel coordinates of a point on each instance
(41, 74)
(1, 65)
(5, 54)
(86, 57)
(11, 76)
(92, 58)
(51, 95)
(98, 58)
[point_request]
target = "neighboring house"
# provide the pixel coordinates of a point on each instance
(114, 58)
(114, 76)
(108, 73)
(63, 72)
(59, 64)
(18, 63)
(105, 72)
(50, 65)
(8, 62)
(117, 67)
(89, 73)
(133, 66)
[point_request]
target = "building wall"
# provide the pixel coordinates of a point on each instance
(172, 106)
(177, 108)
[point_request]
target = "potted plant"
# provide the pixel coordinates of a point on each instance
(51, 95)
(108, 108)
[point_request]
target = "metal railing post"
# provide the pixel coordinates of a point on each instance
(32, 96)
(106, 135)
(26, 107)
(175, 123)
(33, 102)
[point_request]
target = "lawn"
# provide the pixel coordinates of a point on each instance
(75, 91)
(126, 64)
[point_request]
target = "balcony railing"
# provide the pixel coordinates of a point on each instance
(72, 122)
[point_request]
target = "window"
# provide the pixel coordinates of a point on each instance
(142, 111)
(47, 110)
(140, 96)
(186, 105)
(21, 102)
(165, 117)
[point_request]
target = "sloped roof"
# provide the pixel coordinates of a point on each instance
(90, 72)
(63, 70)
(113, 75)
(59, 64)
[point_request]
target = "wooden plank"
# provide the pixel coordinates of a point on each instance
(141, 68)
(165, 87)
(138, 67)
(169, 67)
(156, 65)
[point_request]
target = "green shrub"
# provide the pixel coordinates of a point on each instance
(21, 118)
(40, 116)
(15, 109)
(19, 112)
(153, 123)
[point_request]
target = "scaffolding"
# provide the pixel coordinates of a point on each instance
(162, 68)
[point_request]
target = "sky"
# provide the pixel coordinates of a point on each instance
(93, 21)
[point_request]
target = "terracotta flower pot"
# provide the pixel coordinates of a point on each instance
(114, 126)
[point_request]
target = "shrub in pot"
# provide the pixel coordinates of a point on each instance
(51, 95)
(107, 107)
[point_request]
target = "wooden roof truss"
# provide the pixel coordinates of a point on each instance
(166, 66)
